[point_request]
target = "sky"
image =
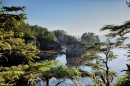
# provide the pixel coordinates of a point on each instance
(74, 16)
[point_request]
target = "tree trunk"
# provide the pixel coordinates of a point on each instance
(47, 81)
(107, 75)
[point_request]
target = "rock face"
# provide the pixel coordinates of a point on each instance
(47, 55)
(63, 39)
(90, 38)
(75, 49)
(61, 36)
(50, 45)
(16, 58)
(35, 43)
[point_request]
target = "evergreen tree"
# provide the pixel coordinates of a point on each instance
(13, 42)
(102, 74)
(120, 31)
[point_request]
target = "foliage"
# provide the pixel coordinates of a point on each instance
(15, 44)
(59, 33)
(13, 40)
(123, 81)
(90, 38)
(71, 40)
(8, 20)
(39, 32)
(102, 75)
(117, 30)
(28, 74)
(46, 36)
(120, 31)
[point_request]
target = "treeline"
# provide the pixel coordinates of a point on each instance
(38, 32)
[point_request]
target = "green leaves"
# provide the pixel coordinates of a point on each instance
(93, 65)
(29, 74)
(9, 76)
(110, 27)
(111, 54)
(90, 57)
(4, 46)
(100, 64)
(115, 30)
(13, 8)
(123, 81)
(59, 33)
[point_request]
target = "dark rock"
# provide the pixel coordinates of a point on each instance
(35, 43)
(63, 39)
(47, 55)
(49, 45)
(61, 36)
(75, 49)
(43, 55)
(16, 57)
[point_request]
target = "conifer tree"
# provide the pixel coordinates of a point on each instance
(120, 31)
(12, 39)
(102, 74)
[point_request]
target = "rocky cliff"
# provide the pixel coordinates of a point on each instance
(50, 45)
(76, 48)
(63, 39)
(61, 36)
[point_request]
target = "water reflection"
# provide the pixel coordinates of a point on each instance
(71, 61)
(74, 61)
(62, 58)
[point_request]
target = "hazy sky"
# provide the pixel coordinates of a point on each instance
(74, 16)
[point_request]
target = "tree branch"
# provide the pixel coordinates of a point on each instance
(59, 83)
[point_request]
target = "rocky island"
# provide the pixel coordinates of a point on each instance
(78, 47)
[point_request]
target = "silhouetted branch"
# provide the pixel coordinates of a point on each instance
(128, 3)
(128, 68)
(59, 83)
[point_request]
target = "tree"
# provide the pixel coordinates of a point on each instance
(102, 73)
(120, 31)
(28, 74)
(12, 39)
(125, 80)
(71, 40)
